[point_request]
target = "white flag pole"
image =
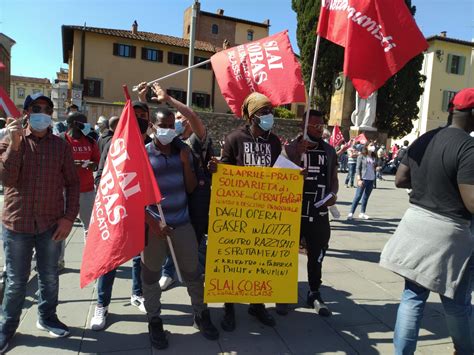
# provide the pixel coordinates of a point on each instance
(135, 88)
(311, 84)
(170, 245)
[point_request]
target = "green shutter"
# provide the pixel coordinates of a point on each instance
(462, 64)
(449, 62)
(444, 108)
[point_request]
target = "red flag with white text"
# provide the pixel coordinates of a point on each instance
(361, 138)
(267, 66)
(379, 37)
(117, 228)
(7, 104)
(336, 137)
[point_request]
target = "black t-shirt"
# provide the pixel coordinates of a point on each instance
(242, 149)
(315, 184)
(440, 160)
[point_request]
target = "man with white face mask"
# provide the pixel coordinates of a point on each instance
(35, 169)
(173, 169)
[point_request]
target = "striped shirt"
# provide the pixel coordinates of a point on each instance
(37, 178)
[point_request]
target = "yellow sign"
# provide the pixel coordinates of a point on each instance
(254, 231)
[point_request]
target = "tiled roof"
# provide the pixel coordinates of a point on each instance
(30, 79)
(451, 40)
(140, 35)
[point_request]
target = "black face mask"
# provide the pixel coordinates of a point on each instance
(143, 124)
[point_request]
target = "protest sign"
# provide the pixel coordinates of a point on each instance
(254, 231)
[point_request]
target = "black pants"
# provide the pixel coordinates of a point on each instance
(316, 234)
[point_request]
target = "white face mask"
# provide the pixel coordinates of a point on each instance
(39, 121)
(165, 135)
(472, 134)
(371, 148)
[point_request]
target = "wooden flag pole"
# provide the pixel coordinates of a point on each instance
(311, 84)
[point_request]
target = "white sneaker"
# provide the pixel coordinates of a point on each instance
(139, 302)
(363, 216)
(166, 282)
(350, 216)
(100, 315)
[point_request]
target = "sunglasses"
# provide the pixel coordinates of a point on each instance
(41, 109)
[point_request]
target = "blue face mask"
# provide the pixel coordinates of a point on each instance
(178, 127)
(39, 121)
(266, 122)
(87, 129)
(165, 135)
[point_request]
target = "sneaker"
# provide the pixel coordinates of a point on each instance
(138, 301)
(347, 186)
(282, 309)
(315, 301)
(350, 216)
(260, 312)
(165, 282)
(100, 315)
(363, 216)
(157, 335)
(54, 326)
(228, 321)
(204, 324)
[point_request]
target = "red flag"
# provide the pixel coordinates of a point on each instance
(361, 138)
(336, 137)
(7, 104)
(267, 66)
(379, 37)
(117, 229)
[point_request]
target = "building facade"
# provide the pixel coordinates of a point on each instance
(6, 44)
(22, 86)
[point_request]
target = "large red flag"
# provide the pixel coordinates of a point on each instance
(336, 137)
(117, 229)
(7, 104)
(379, 37)
(267, 66)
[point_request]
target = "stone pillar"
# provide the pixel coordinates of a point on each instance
(342, 104)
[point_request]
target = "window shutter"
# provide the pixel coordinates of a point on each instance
(208, 101)
(116, 49)
(160, 56)
(97, 88)
(133, 51)
(462, 64)
(86, 86)
(449, 62)
(444, 108)
(185, 59)
(143, 53)
(193, 98)
(170, 58)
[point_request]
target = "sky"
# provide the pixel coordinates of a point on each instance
(36, 26)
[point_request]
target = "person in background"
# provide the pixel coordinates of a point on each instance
(72, 108)
(352, 154)
(105, 131)
(41, 203)
(365, 176)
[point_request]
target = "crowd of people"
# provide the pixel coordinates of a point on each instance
(50, 174)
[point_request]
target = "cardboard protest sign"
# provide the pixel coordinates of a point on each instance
(254, 231)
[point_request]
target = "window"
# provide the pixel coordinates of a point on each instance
(153, 55)
(92, 87)
(455, 64)
(215, 29)
(124, 50)
(21, 93)
(202, 59)
(179, 95)
(177, 58)
(249, 35)
(201, 100)
(36, 91)
(447, 97)
(188, 29)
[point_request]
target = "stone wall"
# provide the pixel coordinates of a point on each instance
(219, 125)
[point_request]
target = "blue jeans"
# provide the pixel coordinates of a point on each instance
(18, 248)
(458, 313)
(351, 174)
(106, 283)
(364, 193)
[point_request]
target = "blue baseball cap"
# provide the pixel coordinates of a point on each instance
(31, 98)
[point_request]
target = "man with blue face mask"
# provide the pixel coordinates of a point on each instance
(85, 152)
(41, 204)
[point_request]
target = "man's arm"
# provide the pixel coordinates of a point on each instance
(403, 178)
(190, 180)
(71, 185)
(11, 160)
(467, 195)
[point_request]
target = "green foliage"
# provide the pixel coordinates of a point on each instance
(397, 99)
(282, 112)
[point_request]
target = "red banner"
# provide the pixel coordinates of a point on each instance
(336, 137)
(117, 229)
(379, 37)
(7, 105)
(267, 66)
(361, 138)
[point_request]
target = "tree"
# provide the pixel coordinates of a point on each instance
(397, 100)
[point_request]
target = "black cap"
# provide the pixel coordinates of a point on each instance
(141, 105)
(31, 98)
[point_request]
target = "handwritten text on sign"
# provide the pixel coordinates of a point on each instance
(254, 229)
